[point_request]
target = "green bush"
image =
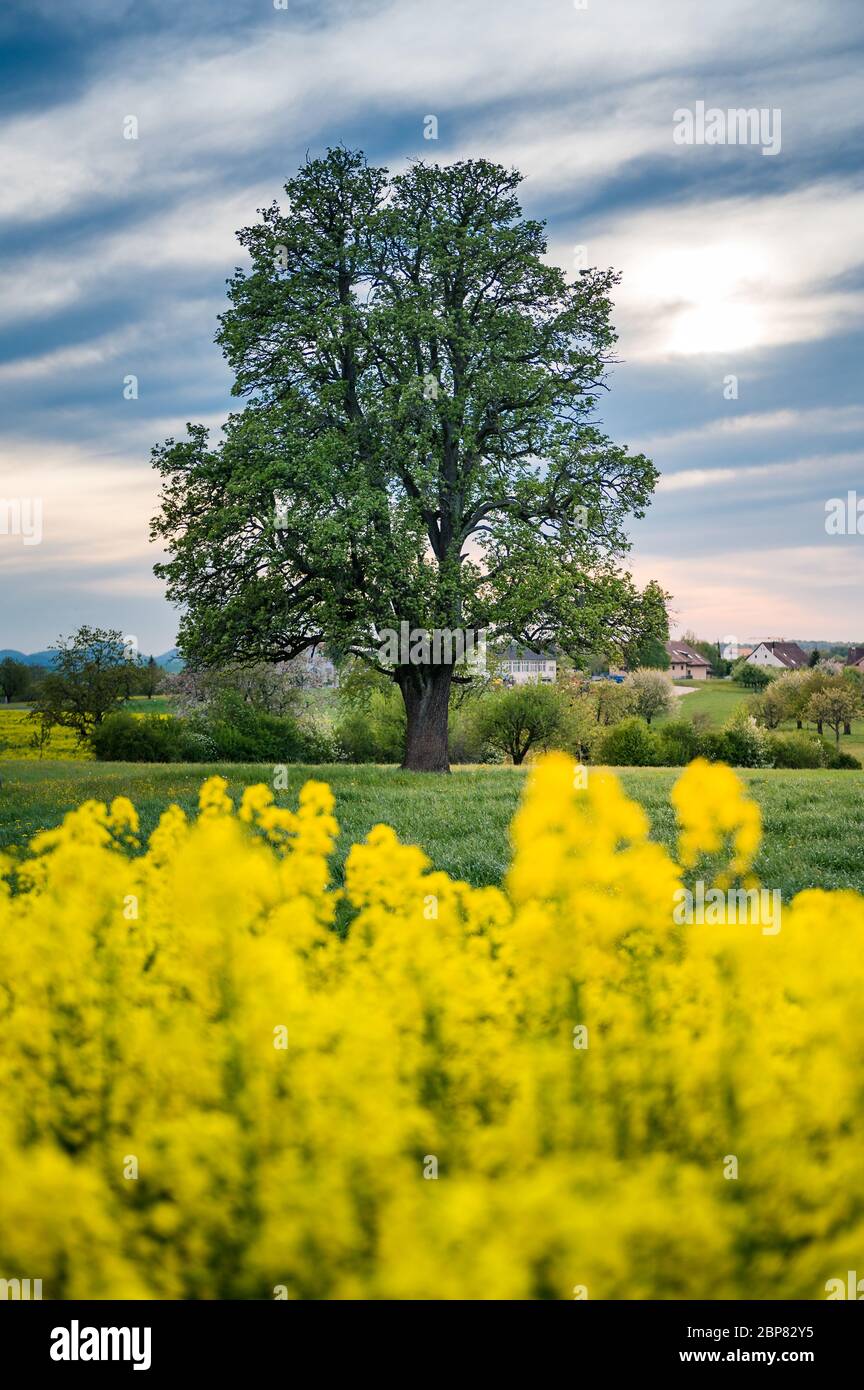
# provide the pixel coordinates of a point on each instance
(629, 744)
(844, 761)
(125, 738)
(747, 743)
(798, 750)
(227, 731)
(466, 743)
(239, 732)
(523, 719)
(679, 743)
(373, 730)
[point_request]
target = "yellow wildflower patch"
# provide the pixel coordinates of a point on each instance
(17, 731)
(207, 1090)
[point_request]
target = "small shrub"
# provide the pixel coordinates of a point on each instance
(746, 743)
(125, 738)
(679, 743)
(629, 744)
(373, 731)
(844, 761)
(798, 750)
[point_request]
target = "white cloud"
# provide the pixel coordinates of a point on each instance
(285, 81)
(816, 467)
(733, 275)
(822, 419)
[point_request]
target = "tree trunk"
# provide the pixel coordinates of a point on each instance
(426, 692)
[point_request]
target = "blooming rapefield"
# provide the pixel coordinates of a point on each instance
(549, 1089)
(17, 739)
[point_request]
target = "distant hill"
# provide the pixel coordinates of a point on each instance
(31, 659)
(808, 644)
(170, 660)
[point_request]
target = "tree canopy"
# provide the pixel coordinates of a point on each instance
(419, 441)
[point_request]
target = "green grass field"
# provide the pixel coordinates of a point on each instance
(814, 821)
(719, 699)
(157, 704)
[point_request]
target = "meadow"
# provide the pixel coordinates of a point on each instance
(814, 821)
(718, 701)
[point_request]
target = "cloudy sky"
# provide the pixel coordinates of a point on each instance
(736, 263)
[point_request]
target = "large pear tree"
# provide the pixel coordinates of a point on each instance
(419, 441)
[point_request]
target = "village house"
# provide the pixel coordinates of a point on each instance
(685, 663)
(520, 666)
(785, 656)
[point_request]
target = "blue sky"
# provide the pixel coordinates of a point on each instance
(114, 255)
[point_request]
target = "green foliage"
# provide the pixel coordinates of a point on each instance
(649, 654)
(467, 744)
(372, 731)
(679, 743)
(89, 679)
(130, 738)
(15, 679)
(148, 679)
(746, 743)
(836, 705)
(629, 744)
(844, 761)
(407, 354)
(227, 730)
(753, 677)
(649, 693)
(771, 707)
(799, 750)
(523, 717)
(611, 701)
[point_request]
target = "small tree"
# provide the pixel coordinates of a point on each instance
(151, 678)
(650, 693)
(41, 736)
(771, 707)
(835, 706)
(753, 677)
(14, 679)
(794, 688)
(516, 720)
(612, 702)
(580, 728)
(89, 679)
